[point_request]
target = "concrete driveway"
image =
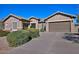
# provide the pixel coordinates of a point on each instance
(47, 43)
(4, 47)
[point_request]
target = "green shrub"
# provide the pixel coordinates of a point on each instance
(42, 30)
(25, 28)
(1, 26)
(33, 32)
(3, 33)
(18, 38)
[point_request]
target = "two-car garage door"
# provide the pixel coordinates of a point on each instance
(60, 26)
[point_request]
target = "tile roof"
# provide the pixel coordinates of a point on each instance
(58, 12)
(12, 15)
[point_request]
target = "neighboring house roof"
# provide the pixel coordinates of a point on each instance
(62, 13)
(34, 18)
(17, 17)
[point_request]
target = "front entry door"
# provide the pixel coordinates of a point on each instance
(33, 25)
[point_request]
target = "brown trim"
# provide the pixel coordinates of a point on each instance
(59, 21)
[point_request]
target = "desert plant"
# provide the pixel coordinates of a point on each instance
(18, 38)
(3, 33)
(78, 18)
(1, 25)
(42, 30)
(33, 32)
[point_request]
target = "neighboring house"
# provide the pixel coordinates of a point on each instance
(14, 23)
(60, 22)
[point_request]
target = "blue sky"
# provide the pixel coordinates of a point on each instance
(37, 10)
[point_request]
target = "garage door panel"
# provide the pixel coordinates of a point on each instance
(59, 26)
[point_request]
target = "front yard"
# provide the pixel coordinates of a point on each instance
(48, 42)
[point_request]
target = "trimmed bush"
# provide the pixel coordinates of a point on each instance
(3, 33)
(42, 30)
(18, 38)
(33, 32)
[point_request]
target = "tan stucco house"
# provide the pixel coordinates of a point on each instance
(60, 22)
(57, 22)
(14, 23)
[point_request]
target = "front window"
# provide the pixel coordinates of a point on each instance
(14, 25)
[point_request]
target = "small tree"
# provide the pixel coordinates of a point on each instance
(78, 18)
(1, 25)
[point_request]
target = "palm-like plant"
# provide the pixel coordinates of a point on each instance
(78, 18)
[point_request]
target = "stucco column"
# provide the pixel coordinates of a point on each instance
(72, 27)
(37, 26)
(47, 27)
